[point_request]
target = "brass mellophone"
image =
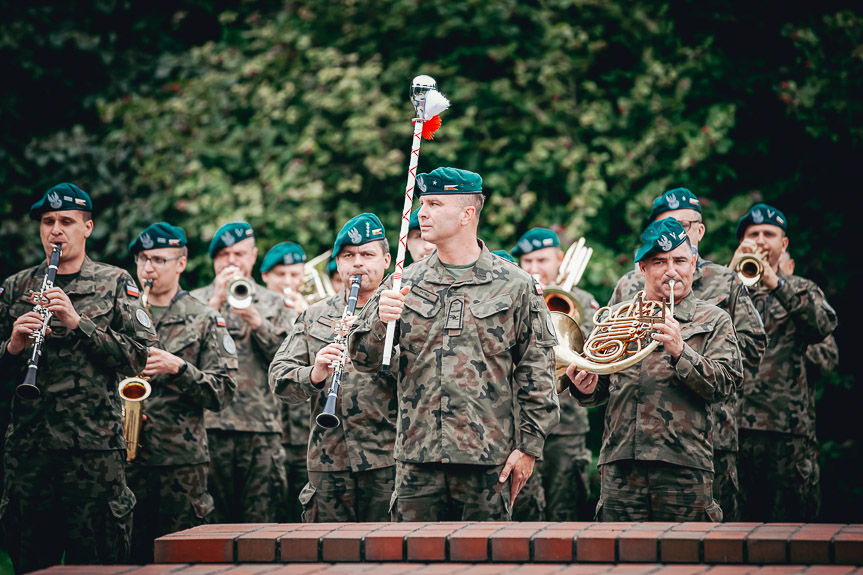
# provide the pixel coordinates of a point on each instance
(133, 391)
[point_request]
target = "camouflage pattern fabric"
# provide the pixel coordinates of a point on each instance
(659, 409)
(786, 467)
(72, 502)
(254, 408)
(565, 478)
(173, 433)
(824, 356)
(726, 486)
(247, 476)
(530, 504)
(348, 496)
(450, 492)
(656, 491)
(366, 405)
(471, 352)
(170, 499)
(296, 476)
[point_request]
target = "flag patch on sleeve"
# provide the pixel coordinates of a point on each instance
(132, 290)
(220, 321)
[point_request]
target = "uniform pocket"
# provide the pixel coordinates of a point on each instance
(307, 500)
(714, 512)
(203, 505)
(121, 505)
(494, 324)
(394, 507)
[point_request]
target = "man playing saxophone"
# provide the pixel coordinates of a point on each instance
(656, 460)
(351, 467)
(65, 485)
(191, 369)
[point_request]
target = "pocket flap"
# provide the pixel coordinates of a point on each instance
(490, 307)
(421, 305)
(122, 504)
(203, 505)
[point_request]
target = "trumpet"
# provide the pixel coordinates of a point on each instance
(133, 391)
(240, 292)
(750, 268)
(317, 284)
(29, 389)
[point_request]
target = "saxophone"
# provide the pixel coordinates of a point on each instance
(133, 391)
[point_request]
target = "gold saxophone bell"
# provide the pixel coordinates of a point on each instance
(750, 268)
(240, 292)
(133, 391)
(317, 285)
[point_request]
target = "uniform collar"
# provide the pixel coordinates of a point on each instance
(480, 273)
(81, 284)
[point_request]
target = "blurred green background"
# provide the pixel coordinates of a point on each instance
(295, 116)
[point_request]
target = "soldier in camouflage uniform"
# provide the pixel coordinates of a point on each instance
(247, 462)
(351, 467)
(417, 246)
(562, 485)
(191, 368)
(475, 352)
(283, 271)
(656, 460)
(65, 485)
(721, 287)
(778, 468)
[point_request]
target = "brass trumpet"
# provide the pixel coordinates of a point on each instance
(240, 292)
(133, 391)
(750, 268)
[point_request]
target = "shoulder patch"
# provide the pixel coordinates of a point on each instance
(550, 325)
(2, 289)
(229, 345)
(536, 287)
(132, 290)
(594, 304)
(220, 321)
(143, 318)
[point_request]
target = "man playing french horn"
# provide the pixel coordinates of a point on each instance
(656, 460)
(191, 368)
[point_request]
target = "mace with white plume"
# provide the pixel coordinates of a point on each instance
(429, 104)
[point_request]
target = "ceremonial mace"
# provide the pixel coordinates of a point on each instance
(429, 104)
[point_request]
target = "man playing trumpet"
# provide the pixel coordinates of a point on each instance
(656, 460)
(283, 271)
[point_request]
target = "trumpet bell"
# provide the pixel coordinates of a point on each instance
(560, 300)
(134, 389)
(749, 270)
(570, 344)
(240, 293)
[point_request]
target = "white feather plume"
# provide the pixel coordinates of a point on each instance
(435, 104)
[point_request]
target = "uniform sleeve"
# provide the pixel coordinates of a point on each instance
(599, 396)
(9, 364)
(211, 381)
(751, 337)
(714, 374)
(824, 355)
(124, 344)
(814, 318)
(272, 332)
(290, 373)
(533, 374)
(367, 337)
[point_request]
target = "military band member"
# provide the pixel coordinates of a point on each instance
(778, 468)
(505, 255)
(564, 478)
(351, 467)
(335, 278)
(283, 271)
(247, 461)
(656, 461)
(417, 246)
(475, 346)
(190, 369)
(65, 484)
(721, 287)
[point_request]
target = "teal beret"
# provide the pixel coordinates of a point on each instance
(449, 181)
(359, 230)
(332, 268)
(285, 253)
(676, 199)
(161, 235)
(60, 198)
(761, 214)
(504, 254)
(228, 235)
(535, 239)
(415, 220)
(660, 236)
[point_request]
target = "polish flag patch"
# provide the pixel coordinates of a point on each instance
(220, 321)
(132, 290)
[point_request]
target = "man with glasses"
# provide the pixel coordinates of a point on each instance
(192, 368)
(719, 286)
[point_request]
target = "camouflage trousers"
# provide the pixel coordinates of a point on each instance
(170, 498)
(347, 496)
(450, 492)
(297, 477)
(655, 491)
(58, 502)
(726, 489)
(246, 477)
(779, 477)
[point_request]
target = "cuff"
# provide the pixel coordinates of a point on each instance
(85, 328)
(685, 364)
(784, 293)
(304, 374)
(531, 444)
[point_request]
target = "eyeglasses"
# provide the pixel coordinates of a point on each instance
(157, 261)
(688, 223)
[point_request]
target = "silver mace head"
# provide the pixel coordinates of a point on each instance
(420, 86)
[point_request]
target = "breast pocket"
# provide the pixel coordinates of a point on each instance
(415, 331)
(695, 334)
(494, 323)
(185, 341)
(322, 331)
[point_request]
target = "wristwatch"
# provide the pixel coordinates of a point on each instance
(183, 369)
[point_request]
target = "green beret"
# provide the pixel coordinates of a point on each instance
(332, 268)
(61, 197)
(449, 181)
(660, 236)
(161, 235)
(359, 230)
(228, 235)
(504, 254)
(676, 199)
(761, 214)
(535, 239)
(285, 253)
(415, 220)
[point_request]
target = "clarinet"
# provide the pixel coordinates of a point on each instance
(328, 418)
(29, 389)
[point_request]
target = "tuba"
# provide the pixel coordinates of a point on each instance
(133, 391)
(750, 267)
(240, 292)
(317, 285)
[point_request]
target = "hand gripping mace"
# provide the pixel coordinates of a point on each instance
(429, 104)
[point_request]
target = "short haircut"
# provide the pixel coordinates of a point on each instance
(475, 200)
(184, 251)
(384, 245)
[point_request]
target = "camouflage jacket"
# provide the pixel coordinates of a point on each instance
(777, 398)
(659, 409)
(174, 433)
(821, 359)
(471, 352)
(366, 404)
(254, 407)
(720, 286)
(79, 369)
